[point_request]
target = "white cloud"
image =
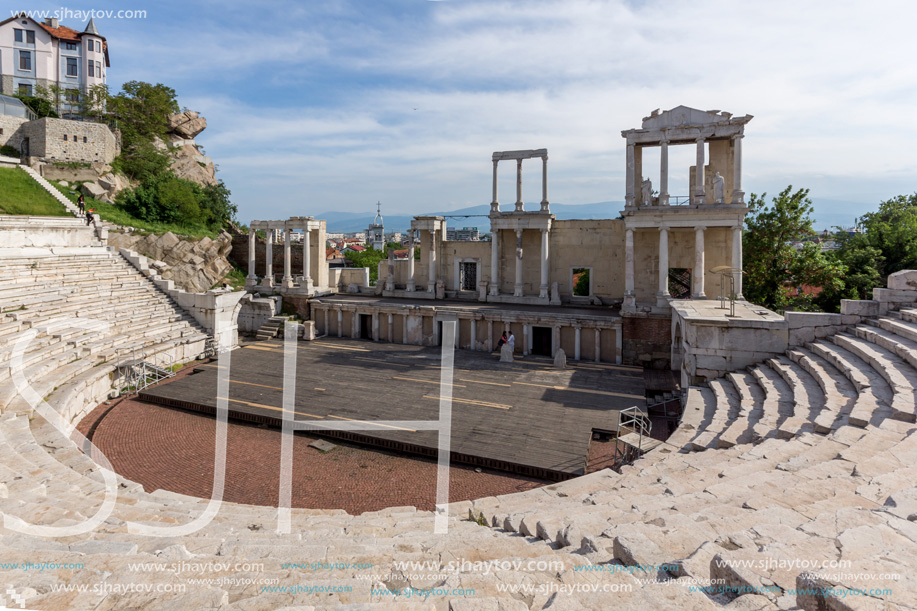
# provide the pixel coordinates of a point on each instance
(408, 107)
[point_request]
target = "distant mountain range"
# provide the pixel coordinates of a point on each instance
(346, 222)
(828, 213)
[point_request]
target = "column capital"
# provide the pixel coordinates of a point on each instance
(737, 227)
(737, 136)
(700, 228)
(663, 228)
(700, 139)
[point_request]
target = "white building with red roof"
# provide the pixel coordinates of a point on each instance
(34, 54)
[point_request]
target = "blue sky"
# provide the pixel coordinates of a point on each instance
(334, 105)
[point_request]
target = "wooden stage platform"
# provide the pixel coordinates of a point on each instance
(524, 417)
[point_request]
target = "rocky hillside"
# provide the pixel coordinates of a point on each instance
(188, 161)
(194, 265)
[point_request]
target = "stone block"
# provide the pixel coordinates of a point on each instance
(905, 280)
(704, 361)
(796, 320)
(801, 337)
(91, 189)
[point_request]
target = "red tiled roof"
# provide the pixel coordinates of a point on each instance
(62, 32)
(402, 254)
(356, 247)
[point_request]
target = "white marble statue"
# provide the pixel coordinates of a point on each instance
(647, 187)
(719, 189)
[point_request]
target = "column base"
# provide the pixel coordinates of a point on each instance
(519, 207)
(662, 300)
(517, 290)
(701, 295)
(494, 290)
(543, 292)
(545, 206)
(664, 199)
(629, 201)
(410, 286)
(287, 282)
(738, 197)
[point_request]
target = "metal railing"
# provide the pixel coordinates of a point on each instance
(138, 370)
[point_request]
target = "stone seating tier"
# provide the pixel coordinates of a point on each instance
(803, 456)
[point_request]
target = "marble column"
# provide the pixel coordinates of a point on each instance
(664, 173)
(598, 345)
(629, 170)
(577, 342)
(287, 267)
(391, 328)
(410, 284)
(269, 259)
(519, 206)
(376, 336)
(495, 204)
(517, 289)
(663, 264)
(737, 259)
(431, 288)
(545, 207)
(404, 330)
(307, 259)
(699, 266)
(252, 245)
(490, 336)
(629, 297)
(699, 193)
(474, 334)
(543, 289)
(738, 195)
(494, 261)
(340, 323)
(526, 332)
(327, 329)
(555, 340)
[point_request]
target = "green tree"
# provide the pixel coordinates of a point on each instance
(93, 102)
(142, 111)
(774, 268)
(887, 243)
(142, 161)
(215, 200)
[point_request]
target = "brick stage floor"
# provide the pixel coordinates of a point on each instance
(526, 416)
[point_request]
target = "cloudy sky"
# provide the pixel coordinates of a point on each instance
(316, 106)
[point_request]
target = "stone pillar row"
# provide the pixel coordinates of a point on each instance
(517, 289)
(526, 341)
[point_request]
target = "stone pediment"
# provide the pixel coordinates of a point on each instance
(683, 116)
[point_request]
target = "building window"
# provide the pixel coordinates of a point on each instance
(99, 69)
(680, 282)
(25, 89)
(92, 71)
(73, 95)
(71, 46)
(25, 60)
(71, 67)
(582, 283)
(30, 37)
(65, 137)
(469, 276)
(84, 139)
(19, 35)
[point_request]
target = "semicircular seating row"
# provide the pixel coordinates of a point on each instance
(808, 456)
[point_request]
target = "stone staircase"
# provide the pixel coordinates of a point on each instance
(805, 457)
(270, 328)
(71, 208)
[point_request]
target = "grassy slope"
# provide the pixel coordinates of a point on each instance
(114, 214)
(19, 194)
